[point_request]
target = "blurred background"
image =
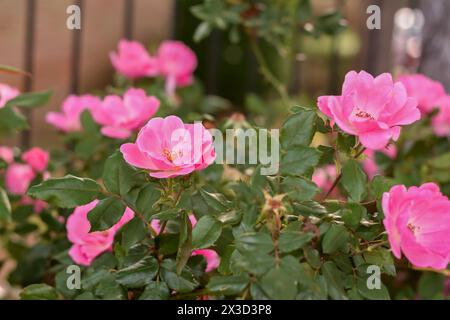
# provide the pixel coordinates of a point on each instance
(34, 37)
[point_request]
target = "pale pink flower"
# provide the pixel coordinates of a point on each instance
(441, 121)
(7, 154)
(369, 164)
(120, 116)
(88, 245)
(176, 63)
(371, 108)
(18, 178)
(7, 93)
(167, 147)
(69, 119)
(133, 61)
(417, 221)
(36, 158)
(324, 177)
(426, 91)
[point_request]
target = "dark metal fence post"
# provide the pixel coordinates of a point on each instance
(76, 54)
(25, 138)
(128, 19)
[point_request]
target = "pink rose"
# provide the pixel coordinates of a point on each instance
(120, 116)
(441, 121)
(369, 164)
(69, 119)
(7, 93)
(371, 108)
(36, 158)
(426, 91)
(18, 178)
(133, 61)
(168, 148)
(7, 154)
(176, 63)
(87, 246)
(417, 221)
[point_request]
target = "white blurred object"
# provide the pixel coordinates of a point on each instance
(407, 40)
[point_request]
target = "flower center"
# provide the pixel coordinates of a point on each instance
(363, 114)
(414, 229)
(172, 155)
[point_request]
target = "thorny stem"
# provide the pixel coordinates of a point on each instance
(265, 71)
(445, 272)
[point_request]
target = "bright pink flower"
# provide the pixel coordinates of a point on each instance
(369, 164)
(18, 178)
(168, 148)
(87, 246)
(426, 91)
(120, 116)
(371, 108)
(36, 158)
(133, 61)
(69, 119)
(177, 64)
(211, 257)
(417, 221)
(441, 121)
(7, 93)
(7, 154)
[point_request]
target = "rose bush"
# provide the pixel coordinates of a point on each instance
(139, 203)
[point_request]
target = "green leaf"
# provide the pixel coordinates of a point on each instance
(431, 286)
(278, 284)
(106, 214)
(185, 282)
(216, 201)
(66, 192)
(335, 239)
(381, 185)
(118, 176)
(299, 129)
(228, 285)
(109, 289)
(298, 160)
(299, 189)
(5, 206)
(203, 30)
(372, 294)
(256, 242)
(185, 243)
(30, 99)
(353, 214)
(133, 232)
(39, 292)
(334, 281)
(146, 199)
(166, 215)
(293, 240)
(354, 180)
(206, 232)
(155, 291)
(256, 263)
(310, 207)
(138, 274)
(11, 120)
